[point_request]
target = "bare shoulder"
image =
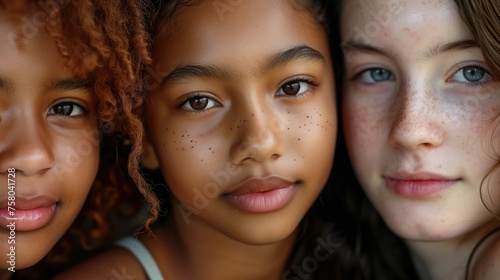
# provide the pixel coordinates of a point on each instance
(117, 263)
(488, 264)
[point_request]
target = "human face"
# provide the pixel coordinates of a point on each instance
(416, 103)
(244, 122)
(49, 137)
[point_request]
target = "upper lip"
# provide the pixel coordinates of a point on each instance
(28, 203)
(418, 176)
(256, 185)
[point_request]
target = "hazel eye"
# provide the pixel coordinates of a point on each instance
(470, 74)
(69, 109)
(375, 75)
(294, 88)
(199, 103)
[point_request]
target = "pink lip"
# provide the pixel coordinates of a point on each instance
(418, 185)
(262, 195)
(29, 213)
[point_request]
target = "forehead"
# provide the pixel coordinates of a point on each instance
(204, 33)
(399, 22)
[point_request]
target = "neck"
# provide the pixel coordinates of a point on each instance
(447, 259)
(203, 252)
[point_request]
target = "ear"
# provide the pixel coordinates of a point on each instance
(149, 160)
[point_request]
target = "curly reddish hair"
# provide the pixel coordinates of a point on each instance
(106, 44)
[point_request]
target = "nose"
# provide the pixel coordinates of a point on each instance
(25, 146)
(416, 122)
(258, 136)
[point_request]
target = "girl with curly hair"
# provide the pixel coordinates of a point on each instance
(243, 124)
(70, 102)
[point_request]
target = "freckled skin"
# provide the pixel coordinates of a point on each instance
(253, 130)
(421, 120)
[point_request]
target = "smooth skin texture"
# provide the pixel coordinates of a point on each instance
(418, 106)
(221, 117)
(49, 135)
(248, 128)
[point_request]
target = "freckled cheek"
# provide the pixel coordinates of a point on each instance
(312, 130)
(179, 145)
(364, 127)
(356, 121)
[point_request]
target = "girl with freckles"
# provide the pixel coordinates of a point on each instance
(243, 126)
(69, 74)
(420, 105)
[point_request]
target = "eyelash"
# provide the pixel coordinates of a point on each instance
(359, 74)
(476, 84)
(188, 97)
(84, 109)
(306, 79)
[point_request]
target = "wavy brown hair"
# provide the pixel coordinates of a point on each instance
(482, 17)
(105, 43)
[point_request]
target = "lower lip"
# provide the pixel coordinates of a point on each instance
(27, 220)
(418, 189)
(262, 202)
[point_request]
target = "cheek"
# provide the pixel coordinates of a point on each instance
(362, 125)
(311, 138)
(188, 157)
(80, 164)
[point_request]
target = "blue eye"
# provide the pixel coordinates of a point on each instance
(199, 103)
(294, 88)
(470, 74)
(375, 75)
(69, 109)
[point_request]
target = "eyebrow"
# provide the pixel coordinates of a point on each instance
(197, 71)
(301, 52)
(458, 45)
(7, 87)
(68, 84)
(353, 46)
(187, 72)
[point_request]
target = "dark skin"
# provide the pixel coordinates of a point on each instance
(48, 117)
(273, 105)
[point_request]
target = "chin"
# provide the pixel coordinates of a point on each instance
(264, 233)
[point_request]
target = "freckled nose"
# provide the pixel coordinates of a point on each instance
(258, 138)
(416, 122)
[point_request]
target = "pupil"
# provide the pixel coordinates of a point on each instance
(380, 75)
(198, 103)
(291, 88)
(473, 74)
(64, 109)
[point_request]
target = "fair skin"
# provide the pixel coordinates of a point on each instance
(49, 136)
(244, 132)
(418, 104)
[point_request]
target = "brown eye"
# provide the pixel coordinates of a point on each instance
(294, 88)
(66, 109)
(291, 88)
(199, 103)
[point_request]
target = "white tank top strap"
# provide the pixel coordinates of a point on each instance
(142, 254)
